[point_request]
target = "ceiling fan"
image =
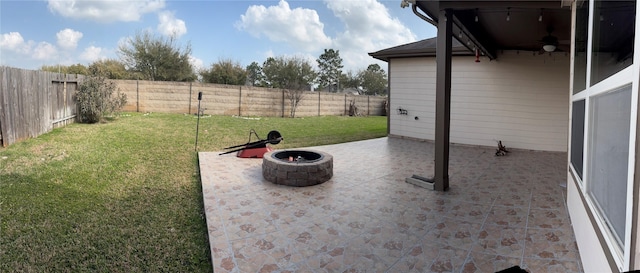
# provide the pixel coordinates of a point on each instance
(550, 43)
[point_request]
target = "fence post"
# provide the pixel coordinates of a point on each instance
(345, 105)
(240, 102)
(137, 96)
(64, 95)
(190, 98)
(318, 103)
(368, 99)
(283, 103)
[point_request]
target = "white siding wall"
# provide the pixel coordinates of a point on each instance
(519, 98)
(592, 252)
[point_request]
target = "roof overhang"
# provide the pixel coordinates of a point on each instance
(492, 31)
(423, 48)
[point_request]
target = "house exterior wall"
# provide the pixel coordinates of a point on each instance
(592, 253)
(520, 98)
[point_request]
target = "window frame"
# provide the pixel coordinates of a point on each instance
(627, 76)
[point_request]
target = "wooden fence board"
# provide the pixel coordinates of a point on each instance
(218, 99)
(33, 102)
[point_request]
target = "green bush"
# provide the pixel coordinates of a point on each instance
(97, 98)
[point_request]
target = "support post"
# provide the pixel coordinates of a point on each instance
(443, 100)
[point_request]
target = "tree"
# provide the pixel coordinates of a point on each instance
(373, 80)
(96, 99)
(71, 69)
(330, 65)
(291, 74)
(157, 58)
(350, 80)
(254, 74)
(110, 69)
(225, 71)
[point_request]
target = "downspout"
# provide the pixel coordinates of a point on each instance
(414, 7)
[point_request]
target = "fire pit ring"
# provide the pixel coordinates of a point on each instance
(298, 168)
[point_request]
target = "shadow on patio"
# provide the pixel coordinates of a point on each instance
(499, 212)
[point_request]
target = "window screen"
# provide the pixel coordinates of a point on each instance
(610, 116)
(577, 136)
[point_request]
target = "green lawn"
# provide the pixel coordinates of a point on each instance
(125, 196)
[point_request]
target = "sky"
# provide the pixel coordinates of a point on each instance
(66, 32)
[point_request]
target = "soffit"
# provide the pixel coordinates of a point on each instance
(492, 31)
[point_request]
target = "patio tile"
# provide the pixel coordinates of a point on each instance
(514, 198)
(468, 211)
(222, 255)
(547, 200)
(484, 262)
(499, 212)
(500, 241)
(454, 232)
(555, 244)
(508, 217)
(549, 218)
(268, 251)
(551, 266)
(248, 223)
(480, 194)
(431, 257)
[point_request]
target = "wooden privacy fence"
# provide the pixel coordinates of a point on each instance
(34, 102)
(217, 99)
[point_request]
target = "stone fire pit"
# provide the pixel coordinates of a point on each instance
(299, 168)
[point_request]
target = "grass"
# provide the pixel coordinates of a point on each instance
(125, 196)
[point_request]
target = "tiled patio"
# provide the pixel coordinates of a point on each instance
(499, 212)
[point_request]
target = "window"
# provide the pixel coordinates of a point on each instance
(577, 136)
(609, 157)
(604, 102)
(613, 34)
(580, 56)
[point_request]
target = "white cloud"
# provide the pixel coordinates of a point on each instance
(170, 25)
(68, 38)
(45, 51)
(368, 27)
(197, 64)
(269, 54)
(301, 28)
(105, 10)
(13, 41)
(92, 53)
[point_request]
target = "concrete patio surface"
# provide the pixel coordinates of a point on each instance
(499, 212)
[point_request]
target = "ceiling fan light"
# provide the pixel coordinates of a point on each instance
(549, 48)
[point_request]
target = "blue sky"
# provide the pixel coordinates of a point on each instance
(36, 33)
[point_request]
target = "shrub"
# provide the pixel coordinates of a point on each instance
(96, 99)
